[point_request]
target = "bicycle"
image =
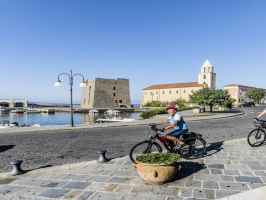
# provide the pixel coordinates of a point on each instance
(194, 145)
(257, 136)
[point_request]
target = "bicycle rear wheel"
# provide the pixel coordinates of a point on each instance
(194, 148)
(256, 137)
(144, 148)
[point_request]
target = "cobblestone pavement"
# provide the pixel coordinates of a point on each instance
(229, 168)
(58, 147)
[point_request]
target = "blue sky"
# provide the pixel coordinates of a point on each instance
(147, 41)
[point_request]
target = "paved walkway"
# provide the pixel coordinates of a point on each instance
(187, 115)
(229, 168)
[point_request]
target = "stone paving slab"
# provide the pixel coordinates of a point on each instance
(202, 178)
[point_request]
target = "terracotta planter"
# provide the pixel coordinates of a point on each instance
(157, 174)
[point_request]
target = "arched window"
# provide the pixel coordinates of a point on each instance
(89, 88)
(163, 92)
(209, 70)
(177, 92)
(203, 82)
(169, 92)
(204, 69)
(204, 76)
(184, 91)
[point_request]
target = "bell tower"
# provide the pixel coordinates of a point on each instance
(207, 75)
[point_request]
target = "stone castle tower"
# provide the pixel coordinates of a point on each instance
(106, 93)
(207, 75)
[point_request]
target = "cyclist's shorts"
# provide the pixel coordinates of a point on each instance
(179, 132)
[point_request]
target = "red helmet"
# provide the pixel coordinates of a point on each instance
(171, 107)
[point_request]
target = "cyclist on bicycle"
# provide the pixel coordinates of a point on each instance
(261, 114)
(177, 122)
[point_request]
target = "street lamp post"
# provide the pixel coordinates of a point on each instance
(59, 84)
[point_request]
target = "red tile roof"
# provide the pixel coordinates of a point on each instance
(174, 85)
(239, 85)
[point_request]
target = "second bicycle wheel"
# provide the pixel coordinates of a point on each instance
(256, 137)
(144, 148)
(194, 148)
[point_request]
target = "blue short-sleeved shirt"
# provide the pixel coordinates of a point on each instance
(181, 125)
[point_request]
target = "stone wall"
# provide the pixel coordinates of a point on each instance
(106, 93)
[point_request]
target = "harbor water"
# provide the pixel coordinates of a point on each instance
(60, 118)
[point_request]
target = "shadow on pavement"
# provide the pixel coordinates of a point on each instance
(188, 169)
(39, 168)
(6, 147)
(213, 148)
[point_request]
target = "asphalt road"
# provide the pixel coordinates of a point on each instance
(48, 148)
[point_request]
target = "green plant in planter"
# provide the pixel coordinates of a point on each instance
(156, 158)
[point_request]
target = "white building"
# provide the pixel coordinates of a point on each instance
(173, 91)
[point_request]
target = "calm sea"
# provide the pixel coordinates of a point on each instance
(59, 118)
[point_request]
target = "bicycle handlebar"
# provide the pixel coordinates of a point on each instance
(153, 127)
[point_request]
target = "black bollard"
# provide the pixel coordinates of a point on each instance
(16, 168)
(102, 156)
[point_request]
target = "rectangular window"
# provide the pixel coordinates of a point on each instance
(113, 88)
(169, 92)
(184, 91)
(114, 94)
(163, 92)
(115, 101)
(120, 101)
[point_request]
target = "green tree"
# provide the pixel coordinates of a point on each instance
(209, 97)
(148, 104)
(229, 104)
(180, 102)
(256, 94)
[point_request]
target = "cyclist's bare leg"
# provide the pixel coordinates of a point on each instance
(171, 143)
(173, 138)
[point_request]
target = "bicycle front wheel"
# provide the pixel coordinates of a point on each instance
(194, 148)
(256, 137)
(144, 148)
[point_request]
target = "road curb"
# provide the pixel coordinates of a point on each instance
(82, 126)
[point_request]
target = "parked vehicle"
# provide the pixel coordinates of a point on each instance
(247, 104)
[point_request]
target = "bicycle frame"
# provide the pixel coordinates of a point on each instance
(260, 128)
(258, 134)
(161, 138)
(188, 150)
